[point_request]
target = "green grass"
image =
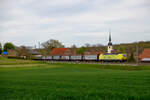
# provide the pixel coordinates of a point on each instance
(5, 61)
(39, 81)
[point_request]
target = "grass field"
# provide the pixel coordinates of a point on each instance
(31, 80)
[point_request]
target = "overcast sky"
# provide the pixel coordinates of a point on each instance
(27, 22)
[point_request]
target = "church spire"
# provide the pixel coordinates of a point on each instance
(110, 47)
(109, 35)
(109, 43)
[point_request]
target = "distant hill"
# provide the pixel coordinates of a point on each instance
(127, 47)
(132, 47)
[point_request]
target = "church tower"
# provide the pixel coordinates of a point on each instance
(110, 47)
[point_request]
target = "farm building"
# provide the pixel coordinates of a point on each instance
(12, 53)
(35, 53)
(60, 53)
(145, 56)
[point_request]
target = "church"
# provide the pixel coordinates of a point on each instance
(110, 45)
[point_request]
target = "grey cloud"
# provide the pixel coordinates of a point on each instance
(74, 21)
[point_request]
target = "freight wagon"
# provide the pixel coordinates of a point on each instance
(90, 57)
(76, 57)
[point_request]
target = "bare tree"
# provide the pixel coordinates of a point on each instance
(50, 44)
(73, 46)
(24, 51)
(87, 45)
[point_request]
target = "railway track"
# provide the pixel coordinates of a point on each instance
(98, 62)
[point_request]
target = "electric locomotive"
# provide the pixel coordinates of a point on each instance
(113, 57)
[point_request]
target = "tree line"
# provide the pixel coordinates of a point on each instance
(47, 46)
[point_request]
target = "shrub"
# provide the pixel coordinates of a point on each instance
(131, 59)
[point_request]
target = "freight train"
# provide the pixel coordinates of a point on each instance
(107, 57)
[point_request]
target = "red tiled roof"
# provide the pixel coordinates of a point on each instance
(145, 54)
(58, 51)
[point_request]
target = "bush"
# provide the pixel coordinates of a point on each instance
(0, 48)
(131, 59)
(15, 57)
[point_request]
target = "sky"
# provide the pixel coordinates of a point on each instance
(28, 22)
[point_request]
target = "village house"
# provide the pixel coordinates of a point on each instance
(35, 53)
(92, 52)
(145, 56)
(28, 52)
(61, 53)
(12, 53)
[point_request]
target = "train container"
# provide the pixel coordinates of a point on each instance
(49, 57)
(57, 57)
(43, 57)
(90, 57)
(65, 58)
(76, 57)
(46, 58)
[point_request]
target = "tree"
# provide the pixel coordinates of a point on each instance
(18, 51)
(131, 59)
(24, 51)
(121, 49)
(73, 46)
(87, 45)
(97, 45)
(81, 50)
(73, 49)
(0, 48)
(8, 45)
(50, 44)
(43, 52)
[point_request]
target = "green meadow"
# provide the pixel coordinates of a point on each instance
(32, 80)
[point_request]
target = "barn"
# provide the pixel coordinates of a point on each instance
(61, 53)
(145, 56)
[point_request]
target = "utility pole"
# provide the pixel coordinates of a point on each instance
(137, 51)
(39, 46)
